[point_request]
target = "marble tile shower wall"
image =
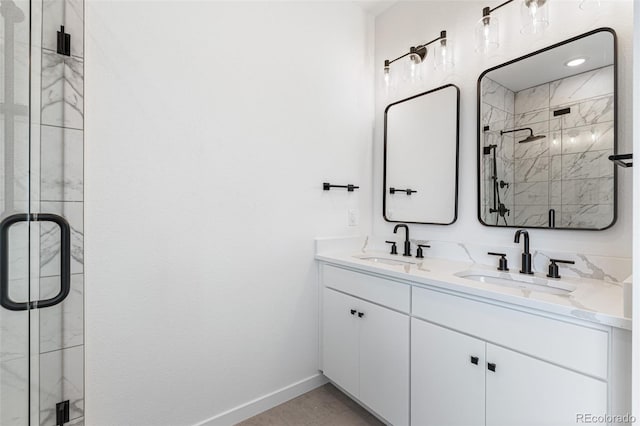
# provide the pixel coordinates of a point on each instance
(568, 170)
(497, 112)
(61, 192)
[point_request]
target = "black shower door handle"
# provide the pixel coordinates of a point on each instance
(65, 260)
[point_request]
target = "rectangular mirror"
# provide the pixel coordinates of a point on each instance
(546, 127)
(421, 158)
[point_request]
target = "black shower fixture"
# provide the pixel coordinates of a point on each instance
(529, 138)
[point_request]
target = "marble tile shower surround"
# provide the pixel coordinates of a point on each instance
(59, 186)
(611, 269)
(497, 112)
(569, 170)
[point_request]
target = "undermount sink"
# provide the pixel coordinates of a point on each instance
(386, 260)
(527, 282)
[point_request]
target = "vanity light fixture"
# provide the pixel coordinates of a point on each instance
(575, 62)
(535, 18)
(417, 55)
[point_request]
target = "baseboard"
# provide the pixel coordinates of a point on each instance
(258, 405)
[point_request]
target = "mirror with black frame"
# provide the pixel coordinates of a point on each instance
(421, 158)
(546, 127)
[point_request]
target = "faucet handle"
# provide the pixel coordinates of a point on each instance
(394, 248)
(502, 263)
(419, 253)
(553, 267)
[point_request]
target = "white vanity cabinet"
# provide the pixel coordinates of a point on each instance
(465, 360)
(502, 366)
(365, 347)
(460, 380)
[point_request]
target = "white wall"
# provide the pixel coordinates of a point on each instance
(210, 128)
(411, 22)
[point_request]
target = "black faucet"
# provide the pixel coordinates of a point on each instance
(525, 267)
(407, 243)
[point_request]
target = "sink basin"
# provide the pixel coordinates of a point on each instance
(526, 282)
(386, 260)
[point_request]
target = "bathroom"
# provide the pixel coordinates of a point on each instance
(190, 141)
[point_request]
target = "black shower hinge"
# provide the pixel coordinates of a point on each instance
(62, 413)
(64, 42)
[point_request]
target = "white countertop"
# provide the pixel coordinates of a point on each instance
(596, 301)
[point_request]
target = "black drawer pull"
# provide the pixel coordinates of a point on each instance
(491, 366)
(474, 360)
(353, 312)
(360, 314)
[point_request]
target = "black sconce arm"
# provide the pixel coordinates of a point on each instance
(414, 49)
(487, 10)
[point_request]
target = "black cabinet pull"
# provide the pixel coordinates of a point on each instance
(360, 314)
(474, 360)
(491, 366)
(353, 312)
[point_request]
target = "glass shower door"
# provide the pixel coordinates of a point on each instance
(41, 335)
(15, 345)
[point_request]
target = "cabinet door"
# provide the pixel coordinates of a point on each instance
(447, 386)
(340, 340)
(527, 391)
(384, 362)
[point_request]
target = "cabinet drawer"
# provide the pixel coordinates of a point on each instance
(577, 347)
(378, 290)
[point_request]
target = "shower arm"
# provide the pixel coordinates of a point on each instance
(502, 132)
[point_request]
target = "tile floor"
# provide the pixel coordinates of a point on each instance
(324, 406)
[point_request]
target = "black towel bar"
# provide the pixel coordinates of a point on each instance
(327, 186)
(619, 159)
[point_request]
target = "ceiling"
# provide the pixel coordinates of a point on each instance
(375, 7)
(550, 65)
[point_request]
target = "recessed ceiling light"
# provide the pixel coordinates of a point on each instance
(575, 62)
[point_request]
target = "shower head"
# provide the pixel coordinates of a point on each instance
(529, 138)
(532, 138)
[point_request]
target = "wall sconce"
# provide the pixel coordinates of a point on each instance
(443, 57)
(535, 18)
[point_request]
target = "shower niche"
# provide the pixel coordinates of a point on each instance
(546, 127)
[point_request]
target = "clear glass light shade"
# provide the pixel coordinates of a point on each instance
(535, 16)
(414, 69)
(487, 34)
(443, 55)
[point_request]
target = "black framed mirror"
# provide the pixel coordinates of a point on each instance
(421, 138)
(547, 124)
